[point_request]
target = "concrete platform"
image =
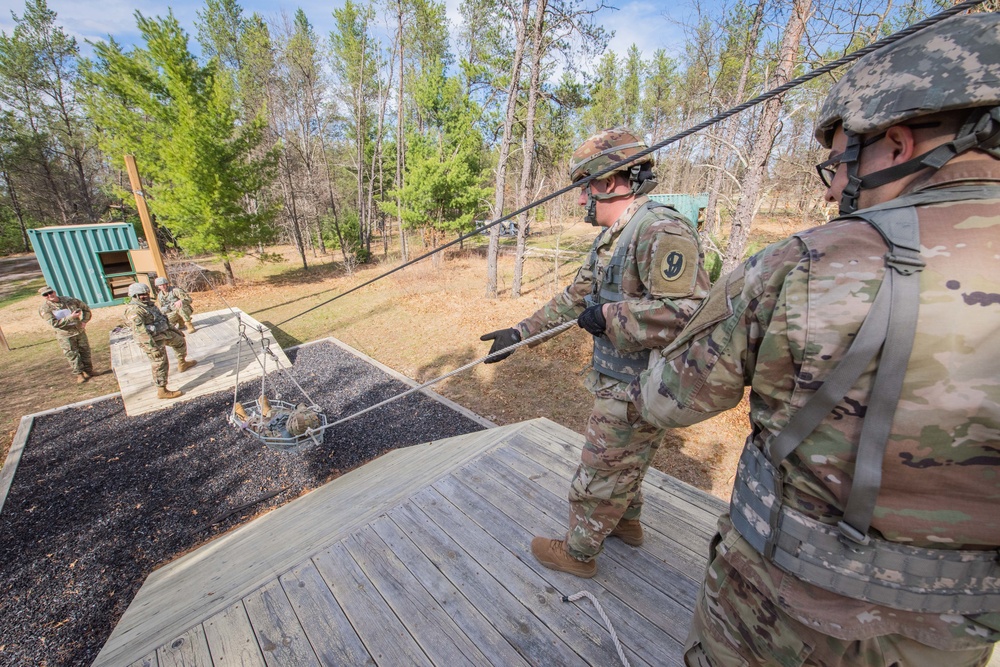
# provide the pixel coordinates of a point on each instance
(215, 344)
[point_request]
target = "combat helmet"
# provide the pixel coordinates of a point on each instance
(160, 281)
(952, 65)
(603, 150)
(137, 289)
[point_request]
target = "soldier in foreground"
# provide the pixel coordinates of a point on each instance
(641, 282)
(153, 333)
(863, 527)
(68, 317)
(175, 303)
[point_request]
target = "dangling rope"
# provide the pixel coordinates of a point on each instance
(774, 92)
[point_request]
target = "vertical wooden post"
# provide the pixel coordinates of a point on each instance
(147, 222)
(3, 341)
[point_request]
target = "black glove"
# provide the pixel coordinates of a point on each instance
(501, 339)
(592, 319)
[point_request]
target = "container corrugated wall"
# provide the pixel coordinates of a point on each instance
(686, 205)
(70, 259)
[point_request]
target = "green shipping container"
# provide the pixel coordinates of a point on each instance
(89, 262)
(687, 205)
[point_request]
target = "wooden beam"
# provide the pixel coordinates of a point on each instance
(3, 341)
(147, 222)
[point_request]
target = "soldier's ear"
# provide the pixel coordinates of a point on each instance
(901, 143)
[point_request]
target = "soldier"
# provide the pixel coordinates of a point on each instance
(175, 303)
(641, 282)
(863, 527)
(152, 332)
(69, 317)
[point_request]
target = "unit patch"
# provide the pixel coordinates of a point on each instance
(674, 268)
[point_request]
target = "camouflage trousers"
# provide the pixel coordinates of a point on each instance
(607, 485)
(736, 625)
(157, 354)
(179, 318)
(76, 349)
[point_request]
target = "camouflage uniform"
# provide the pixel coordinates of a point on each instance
(70, 333)
(619, 445)
(140, 316)
(175, 303)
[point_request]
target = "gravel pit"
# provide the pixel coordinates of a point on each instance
(100, 499)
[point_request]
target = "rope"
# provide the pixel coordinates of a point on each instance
(537, 337)
(607, 621)
(774, 92)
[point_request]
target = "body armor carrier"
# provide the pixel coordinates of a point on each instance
(607, 359)
(844, 558)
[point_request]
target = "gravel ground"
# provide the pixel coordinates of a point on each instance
(100, 499)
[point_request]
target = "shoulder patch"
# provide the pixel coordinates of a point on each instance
(674, 268)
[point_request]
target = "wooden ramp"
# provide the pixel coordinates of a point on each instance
(422, 558)
(214, 344)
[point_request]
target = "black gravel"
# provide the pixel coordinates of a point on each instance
(100, 499)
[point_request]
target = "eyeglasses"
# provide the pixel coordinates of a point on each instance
(827, 169)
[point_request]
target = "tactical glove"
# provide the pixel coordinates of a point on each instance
(592, 319)
(151, 328)
(501, 339)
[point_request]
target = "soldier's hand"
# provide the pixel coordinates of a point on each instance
(501, 339)
(592, 320)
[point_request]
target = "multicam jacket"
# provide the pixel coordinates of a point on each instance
(147, 323)
(66, 327)
(663, 282)
(782, 321)
(167, 301)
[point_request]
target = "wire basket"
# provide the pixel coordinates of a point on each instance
(273, 431)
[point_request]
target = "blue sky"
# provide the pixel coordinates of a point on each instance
(643, 22)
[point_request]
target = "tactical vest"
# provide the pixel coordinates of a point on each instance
(844, 558)
(607, 359)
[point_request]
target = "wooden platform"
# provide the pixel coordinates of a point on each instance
(214, 344)
(422, 558)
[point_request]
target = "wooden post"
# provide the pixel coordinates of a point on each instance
(3, 341)
(147, 222)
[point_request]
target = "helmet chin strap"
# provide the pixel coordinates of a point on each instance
(980, 130)
(636, 187)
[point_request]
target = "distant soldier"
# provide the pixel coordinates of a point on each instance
(175, 303)
(640, 283)
(864, 525)
(153, 333)
(69, 317)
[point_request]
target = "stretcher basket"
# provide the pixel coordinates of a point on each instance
(272, 430)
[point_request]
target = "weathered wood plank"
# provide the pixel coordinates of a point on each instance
(496, 650)
(441, 639)
(231, 639)
(188, 650)
(279, 635)
(587, 639)
(513, 522)
(329, 632)
(384, 635)
(148, 660)
(532, 638)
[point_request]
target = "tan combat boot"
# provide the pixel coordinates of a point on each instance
(553, 555)
(628, 531)
(81, 378)
(163, 392)
(183, 364)
(190, 327)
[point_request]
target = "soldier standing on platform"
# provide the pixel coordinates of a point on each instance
(175, 303)
(863, 527)
(641, 282)
(153, 333)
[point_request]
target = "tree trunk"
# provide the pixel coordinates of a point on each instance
(528, 163)
(521, 30)
(230, 276)
(17, 209)
(766, 133)
(293, 212)
(400, 113)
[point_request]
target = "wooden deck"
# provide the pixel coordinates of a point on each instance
(422, 558)
(214, 344)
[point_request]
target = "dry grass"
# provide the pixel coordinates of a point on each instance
(423, 321)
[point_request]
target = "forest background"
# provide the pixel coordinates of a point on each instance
(399, 129)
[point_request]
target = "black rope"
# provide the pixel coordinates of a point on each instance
(774, 92)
